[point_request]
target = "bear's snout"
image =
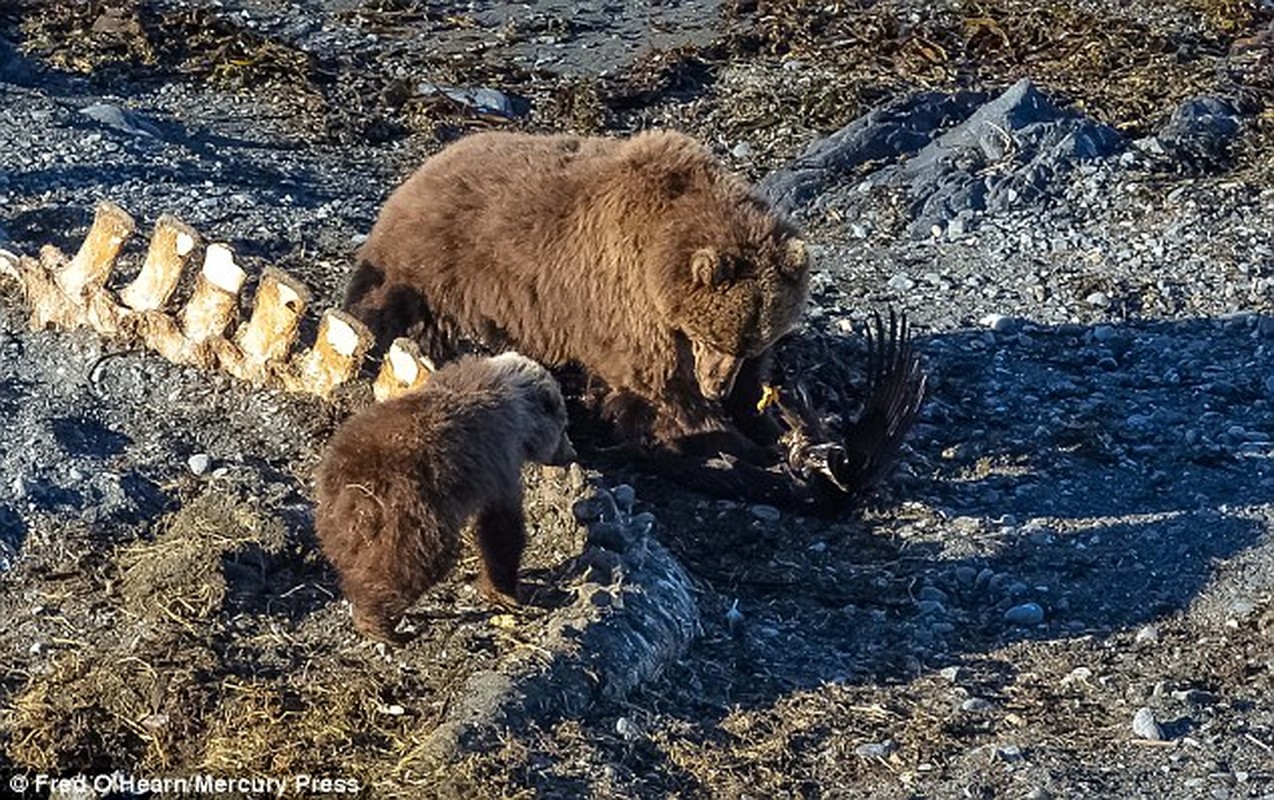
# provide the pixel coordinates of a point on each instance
(715, 371)
(564, 454)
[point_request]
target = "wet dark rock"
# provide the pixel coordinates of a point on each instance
(1200, 134)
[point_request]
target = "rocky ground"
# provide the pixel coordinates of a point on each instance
(1067, 589)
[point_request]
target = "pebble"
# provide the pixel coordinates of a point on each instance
(1098, 300)
(766, 513)
(199, 463)
(931, 607)
(1017, 589)
(901, 283)
(624, 496)
(625, 728)
(1009, 752)
(1025, 614)
(1103, 333)
(932, 593)
(741, 150)
(1242, 608)
(999, 323)
(876, 749)
(1148, 634)
(1145, 726)
(977, 705)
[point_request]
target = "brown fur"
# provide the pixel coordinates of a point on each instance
(399, 480)
(642, 260)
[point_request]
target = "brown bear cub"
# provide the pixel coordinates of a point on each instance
(643, 260)
(400, 479)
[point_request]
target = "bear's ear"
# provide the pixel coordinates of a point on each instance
(795, 257)
(708, 268)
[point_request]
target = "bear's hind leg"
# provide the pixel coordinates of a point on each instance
(501, 535)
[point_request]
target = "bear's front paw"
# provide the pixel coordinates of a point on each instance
(380, 628)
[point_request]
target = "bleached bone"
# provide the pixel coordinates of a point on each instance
(338, 351)
(93, 262)
(162, 334)
(403, 369)
(170, 246)
(9, 265)
(267, 338)
(68, 293)
(214, 304)
(50, 306)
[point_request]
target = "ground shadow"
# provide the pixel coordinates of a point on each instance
(1076, 481)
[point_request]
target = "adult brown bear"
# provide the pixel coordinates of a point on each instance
(641, 260)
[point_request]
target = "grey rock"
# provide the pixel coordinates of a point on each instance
(880, 135)
(931, 608)
(1145, 726)
(1021, 131)
(932, 593)
(120, 119)
(766, 513)
(481, 99)
(999, 323)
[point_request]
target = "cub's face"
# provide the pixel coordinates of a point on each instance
(741, 299)
(547, 442)
(541, 409)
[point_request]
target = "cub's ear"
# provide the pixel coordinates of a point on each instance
(708, 268)
(795, 257)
